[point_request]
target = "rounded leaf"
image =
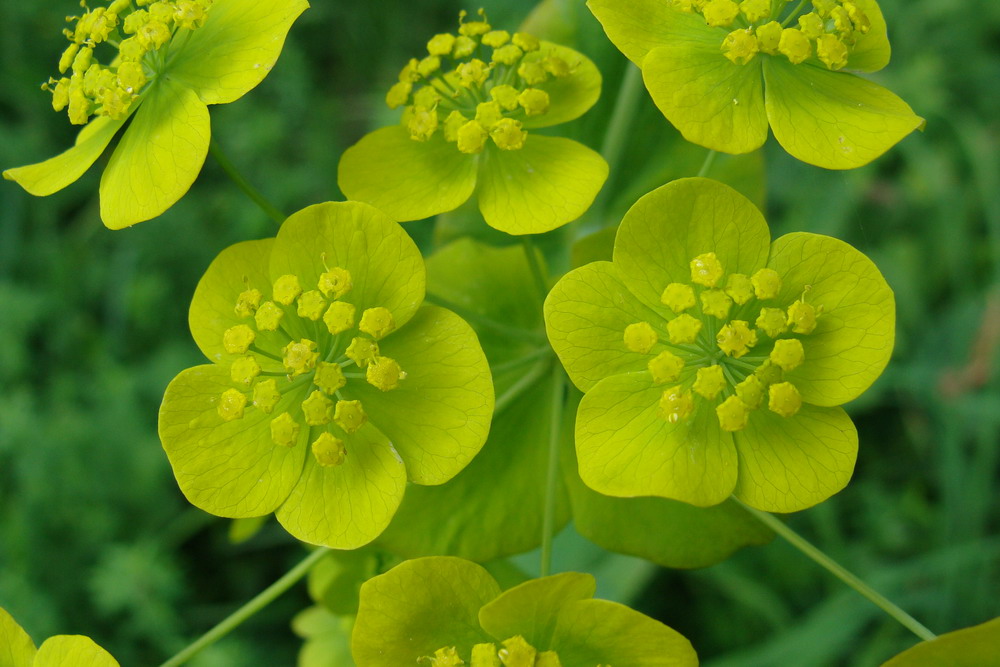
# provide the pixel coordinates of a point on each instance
(532, 609)
(637, 27)
(978, 646)
(16, 647)
(571, 96)
(72, 651)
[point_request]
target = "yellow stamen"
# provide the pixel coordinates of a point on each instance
(508, 135)
(736, 338)
(384, 373)
(678, 297)
(772, 321)
(640, 337)
(683, 329)
(716, 303)
(676, 404)
(268, 316)
(317, 409)
(335, 283)
(784, 399)
(788, 354)
(665, 367)
(802, 317)
(350, 416)
(766, 283)
(286, 289)
(244, 370)
(311, 305)
(231, 405)
(709, 381)
(706, 269)
(300, 357)
(329, 377)
(339, 317)
(266, 395)
(284, 430)
(329, 451)
(238, 339)
(739, 288)
(733, 414)
(247, 302)
(751, 391)
(361, 351)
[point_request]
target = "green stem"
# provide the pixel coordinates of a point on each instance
(478, 320)
(522, 385)
(551, 477)
(536, 268)
(520, 361)
(795, 12)
(800, 543)
(707, 164)
(244, 185)
(263, 599)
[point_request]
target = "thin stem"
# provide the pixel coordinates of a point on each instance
(551, 477)
(536, 269)
(800, 543)
(483, 321)
(522, 385)
(795, 12)
(520, 361)
(244, 185)
(707, 164)
(263, 599)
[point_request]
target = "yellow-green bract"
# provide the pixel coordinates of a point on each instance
(465, 131)
(163, 149)
(449, 612)
(331, 384)
(713, 360)
(17, 649)
(723, 72)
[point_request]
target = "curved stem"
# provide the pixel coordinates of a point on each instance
(879, 600)
(707, 164)
(262, 599)
(795, 12)
(522, 385)
(551, 477)
(531, 253)
(478, 320)
(243, 184)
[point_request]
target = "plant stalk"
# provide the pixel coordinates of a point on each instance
(243, 184)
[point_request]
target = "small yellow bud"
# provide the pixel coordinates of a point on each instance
(444, 657)
(720, 13)
(190, 15)
(162, 11)
(505, 96)
(300, 357)
(472, 138)
(740, 46)
(329, 377)
(409, 72)
(485, 655)
(858, 17)
(441, 44)
(842, 22)
(452, 124)
(665, 367)
(766, 283)
(473, 73)
(788, 354)
(377, 322)
(678, 297)
(488, 114)
(134, 21)
(557, 67)
(751, 391)
(716, 303)
(736, 338)
(795, 45)
(428, 66)
(832, 52)
(772, 321)
(427, 97)
(475, 28)
(311, 305)
(422, 123)
(350, 416)
(739, 288)
(238, 339)
(802, 317)
(548, 659)
(286, 289)
(268, 316)
(683, 329)
(67, 57)
(768, 37)
(335, 282)
(82, 60)
(464, 47)
(317, 409)
(534, 101)
(131, 76)
(339, 317)
(508, 135)
(284, 430)
(132, 49)
(115, 102)
(824, 7)
(784, 399)
(526, 42)
(768, 373)
(231, 405)
(709, 381)
(533, 73)
(733, 414)
(706, 269)
(244, 370)
(755, 10)
(60, 94)
(329, 451)
(361, 351)
(153, 34)
(676, 404)
(640, 337)
(517, 652)
(266, 395)
(496, 38)
(384, 373)
(507, 55)
(79, 106)
(399, 94)
(811, 25)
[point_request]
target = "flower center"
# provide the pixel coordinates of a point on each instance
(137, 35)
(471, 101)
(328, 412)
(713, 353)
(514, 652)
(830, 31)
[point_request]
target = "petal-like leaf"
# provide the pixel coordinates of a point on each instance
(637, 27)
(418, 607)
(625, 448)
(72, 651)
(790, 463)
(571, 96)
(670, 226)
(158, 158)
(409, 180)
(16, 647)
(830, 119)
(871, 52)
(439, 416)
(236, 48)
(231, 469)
(532, 609)
(56, 173)
(585, 316)
(855, 333)
(712, 101)
(549, 182)
(347, 506)
(978, 646)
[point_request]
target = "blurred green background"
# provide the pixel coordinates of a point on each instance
(96, 539)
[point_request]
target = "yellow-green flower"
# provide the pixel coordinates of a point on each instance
(448, 612)
(713, 361)
(17, 649)
(723, 71)
(470, 107)
(164, 62)
(330, 383)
